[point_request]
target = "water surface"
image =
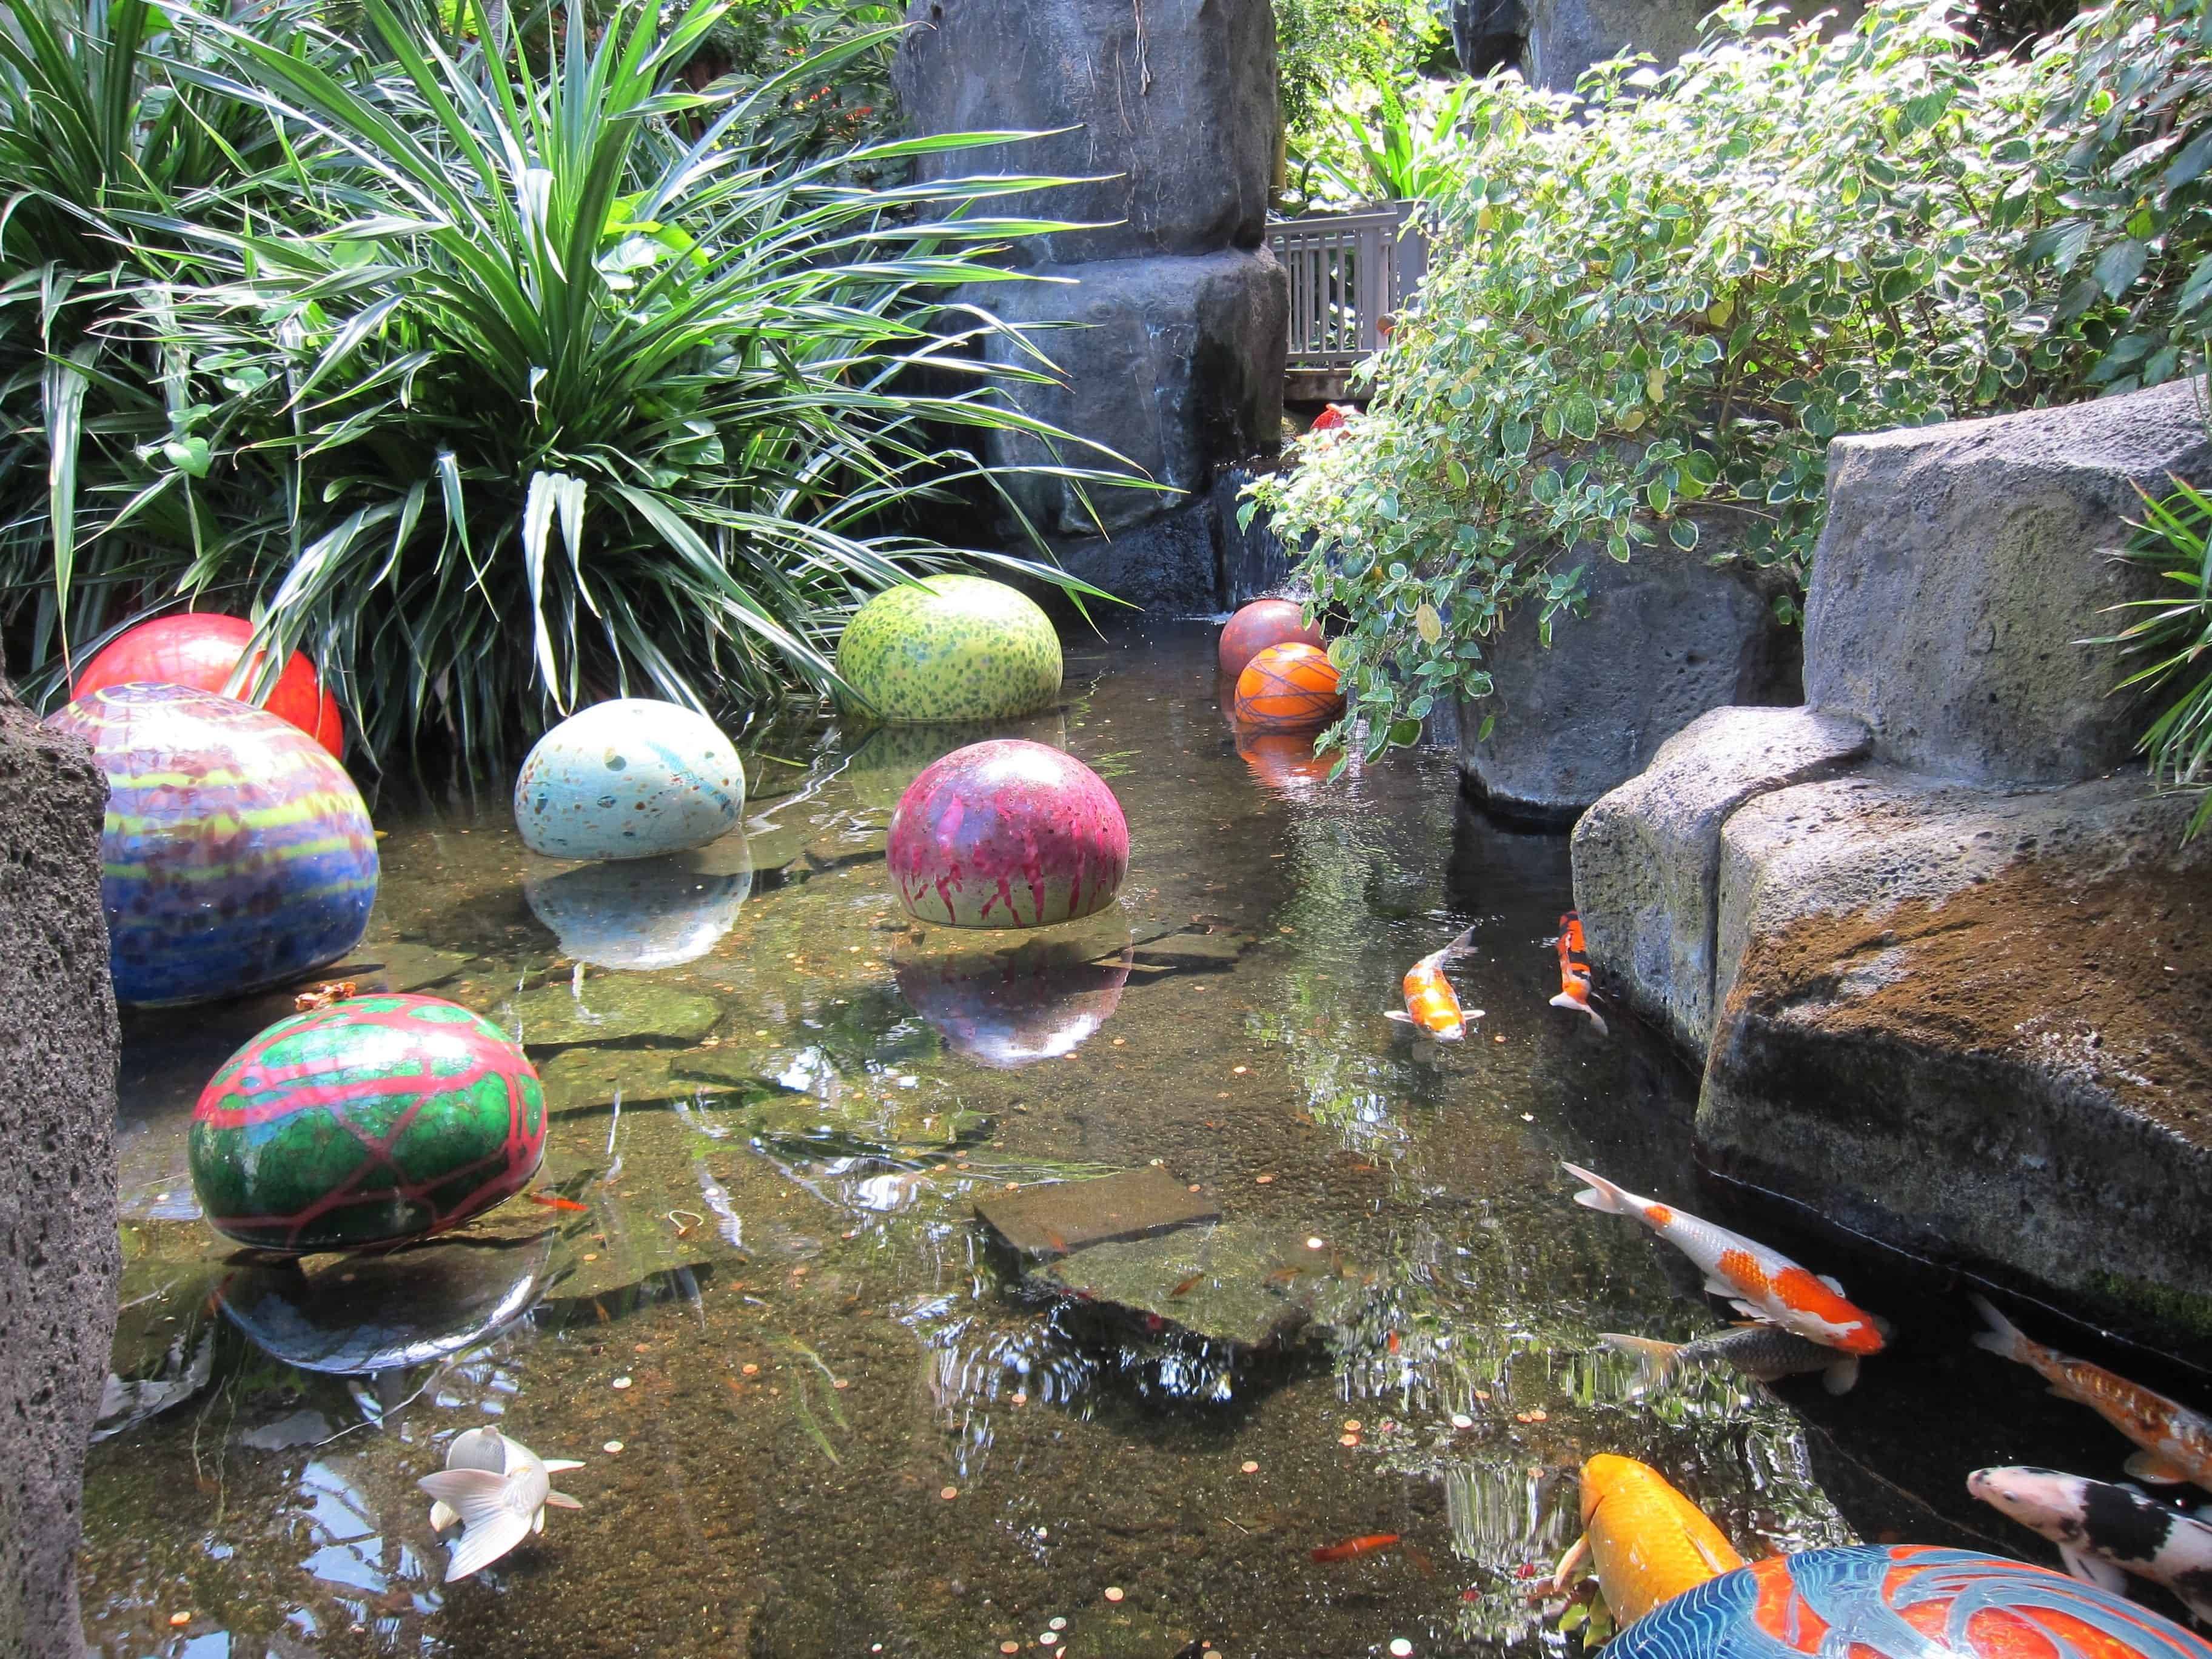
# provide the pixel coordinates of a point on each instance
(846, 1424)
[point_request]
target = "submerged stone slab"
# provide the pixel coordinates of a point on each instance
(1647, 855)
(1962, 565)
(1073, 1215)
(590, 1079)
(608, 1008)
(1978, 1024)
(1238, 1283)
(399, 965)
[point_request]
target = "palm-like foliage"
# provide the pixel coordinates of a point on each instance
(2174, 632)
(505, 392)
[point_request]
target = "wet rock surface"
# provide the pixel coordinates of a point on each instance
(1667, 636)
(610, 1008)
(1075, 1215)
(1235, 1283)
(59, 1255)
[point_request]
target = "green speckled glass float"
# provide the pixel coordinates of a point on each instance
(629, 778)
(375, 1121)
(951, 648)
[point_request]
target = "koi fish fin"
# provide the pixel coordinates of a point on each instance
(1657, 1361)
(1474, 1014)
(1398, 1014)
(1842, 1376)
(561, 1500)
(442, 1516)
(1711, 1557)
(1753, 1308)
(1597, 1019)
(2198, 1603)
(538, 1521)
(482, 1500)
(2003, 1337)
(2090, 1570)
(1829, 1279)
(560, 1465)
(477, 1449)
(1571, 1563)
(1602, 1195)
(1715, 1285)
(2149, 1466)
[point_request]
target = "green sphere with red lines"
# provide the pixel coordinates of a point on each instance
(373, 1122)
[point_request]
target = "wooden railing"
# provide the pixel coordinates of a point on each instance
(1347, 271)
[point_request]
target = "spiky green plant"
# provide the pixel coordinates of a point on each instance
(2172, 635)
(507, 393)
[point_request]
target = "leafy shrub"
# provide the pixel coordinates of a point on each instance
(1648, 312)
(495, 392)
(2129, 92)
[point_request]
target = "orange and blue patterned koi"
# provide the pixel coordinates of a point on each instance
(1574, 971)
(1760, 1283)
(1432, 1005)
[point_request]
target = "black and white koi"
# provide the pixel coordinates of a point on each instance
(2104, 1532)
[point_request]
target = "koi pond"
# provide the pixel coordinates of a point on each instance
(821, 1409)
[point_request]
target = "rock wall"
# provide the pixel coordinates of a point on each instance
(1165, 316)
(59, 1260)
(1665, 637)
(1944, 953)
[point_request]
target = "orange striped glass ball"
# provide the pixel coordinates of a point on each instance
(1288, 688)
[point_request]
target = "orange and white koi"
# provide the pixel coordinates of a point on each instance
(1432, 1005)
(1574, 971)
(1758, 1283)
(1644, 1541)
(2176, 1442)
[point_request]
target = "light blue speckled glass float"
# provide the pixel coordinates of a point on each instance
(632, 778)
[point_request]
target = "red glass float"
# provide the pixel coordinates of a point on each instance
(1260, 624)
(199, 648)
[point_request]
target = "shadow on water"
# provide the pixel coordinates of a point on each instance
(819, 1412)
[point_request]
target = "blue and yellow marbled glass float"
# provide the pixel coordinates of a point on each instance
(237, 853)
(630, 778)
(1901, 1601)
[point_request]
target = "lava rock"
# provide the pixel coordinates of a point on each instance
(59, 1255)
(1647, 856)
(1668, 637)
(1165, 114)
(1961, 566)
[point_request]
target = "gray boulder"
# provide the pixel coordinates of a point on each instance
(1166, 109)
(1175, 364)
(1563, 38)
(1647, 856)
(1171, 565)
(1962, 565)
(59, 1259)
(1970, 1023)
(1667, 636)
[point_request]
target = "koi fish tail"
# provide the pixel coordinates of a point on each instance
(1580, 1005)
(1656, 1361)
(1843, 1377)
(2003, 1337)
(482, 1500)
(1459, 946)
(1602, 1195)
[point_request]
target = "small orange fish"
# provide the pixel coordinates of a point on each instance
(323, 996)
(554, 1202)
(2176, 1442)
(1187, 1287)
(1646, 1542)
(1367, 1544)
(1392, 1344)
(1574, 971)
(1432, 1005)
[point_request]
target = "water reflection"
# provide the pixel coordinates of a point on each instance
(1012, 1005)
(643, 913)
(369, 1314)
(890, 757)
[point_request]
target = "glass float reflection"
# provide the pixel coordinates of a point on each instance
(1012, 1005)
(363, 1314)
(640, 914)
(889, 758)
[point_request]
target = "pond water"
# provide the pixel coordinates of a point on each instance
(820, 1414)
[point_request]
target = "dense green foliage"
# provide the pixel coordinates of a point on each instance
(2173, 540)
(1351, 75)
(492, 388)
(1651, 308)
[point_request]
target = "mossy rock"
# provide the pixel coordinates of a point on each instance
(951, 648)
